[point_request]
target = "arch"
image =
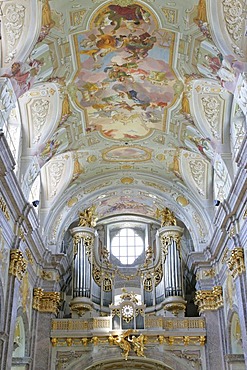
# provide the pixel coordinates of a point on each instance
(108, 359)
(145, 364)
(22, 335)
(235, 335)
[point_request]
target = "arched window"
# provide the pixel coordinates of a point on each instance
(127, 243)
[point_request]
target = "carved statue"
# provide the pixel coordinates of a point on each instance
(167, 217)
(87, 218)
(127, 341)
(46, 15)
(123, 343)
(138, 344)
(129, 296)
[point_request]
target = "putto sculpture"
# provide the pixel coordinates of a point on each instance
(88, 218)
(127, 341)
(167, 217)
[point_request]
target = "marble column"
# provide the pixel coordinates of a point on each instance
(210, 305)
(215, 346)
(7, 336)
(83, 238)
(170, 237)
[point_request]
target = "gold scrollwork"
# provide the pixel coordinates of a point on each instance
(3, 207)
(148, 283)
(88, 241)
(18, 264)
(209, 299)
(166, 240)
(116, 311)
(45, 301)
(97, 275)
(158, 275)
(107, 284)
(236, 263)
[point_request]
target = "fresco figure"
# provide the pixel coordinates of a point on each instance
(130, 61)
(132, 13)
(23, 75)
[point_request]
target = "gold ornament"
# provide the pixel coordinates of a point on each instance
(17, 264)
(167, 217)
(88, 218)
(3, 207)
(236, 263)
(45, 301)
(208, 300)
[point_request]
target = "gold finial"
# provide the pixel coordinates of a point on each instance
(167, 217)
(88, 218)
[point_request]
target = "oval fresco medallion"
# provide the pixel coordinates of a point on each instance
(127, 154)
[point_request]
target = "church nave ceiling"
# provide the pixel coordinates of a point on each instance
(124, 104)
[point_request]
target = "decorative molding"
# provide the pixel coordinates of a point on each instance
(167, 238)
(13, 22)
(198, 169)
(234, 19)
(210, 273)
(209, 300)
(151, 322)
(3, 207)
(39, 111)
(17, 264)
(56, 170)
(171, 15)
(211, 107)
(88, 241)
(236, 263)
(184, 340)
(127, 345)
(29, 256)
(45, 301)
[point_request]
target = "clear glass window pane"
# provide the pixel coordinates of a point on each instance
(127, 245)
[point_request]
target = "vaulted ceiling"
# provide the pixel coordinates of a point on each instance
(124, 104)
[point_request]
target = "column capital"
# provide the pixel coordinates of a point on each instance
(235, 262)
(17, 264)
(45, 301)
(209, 300)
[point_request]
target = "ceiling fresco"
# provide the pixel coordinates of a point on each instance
(125, 80)
(124, 104)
